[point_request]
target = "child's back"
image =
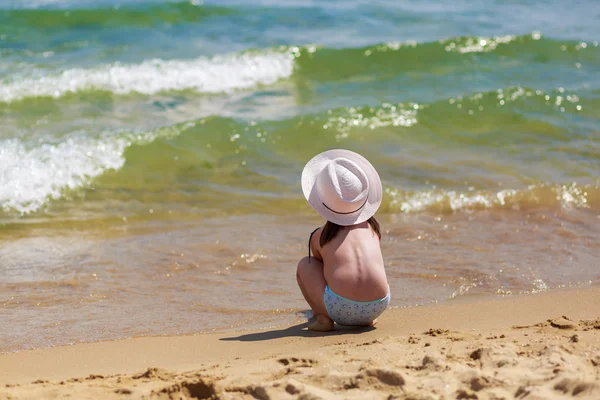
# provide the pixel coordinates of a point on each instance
(352, 262)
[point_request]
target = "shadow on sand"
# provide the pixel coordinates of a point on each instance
(299, 330)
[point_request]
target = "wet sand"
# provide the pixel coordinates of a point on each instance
(542, 346)
(231, 273)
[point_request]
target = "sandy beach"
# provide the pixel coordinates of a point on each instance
(543, 346)
(152, 211)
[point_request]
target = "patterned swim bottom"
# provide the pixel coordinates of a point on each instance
(344, 311)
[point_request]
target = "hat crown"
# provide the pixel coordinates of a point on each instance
(343, 186)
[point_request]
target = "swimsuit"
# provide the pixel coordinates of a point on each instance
(344, 311)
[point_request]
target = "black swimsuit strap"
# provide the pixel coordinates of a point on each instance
(309, 240)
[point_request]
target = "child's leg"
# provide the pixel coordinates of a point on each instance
(312, 284)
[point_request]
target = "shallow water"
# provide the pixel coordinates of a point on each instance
(151, 151)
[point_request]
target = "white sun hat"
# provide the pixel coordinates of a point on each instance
(342, 186)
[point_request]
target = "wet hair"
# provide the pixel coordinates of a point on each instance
(330, 230)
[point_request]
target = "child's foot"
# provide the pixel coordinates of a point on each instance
(322, 324)
(373, 323)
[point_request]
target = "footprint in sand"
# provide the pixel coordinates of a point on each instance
(197, 389)
(562, 323)
(297, 362)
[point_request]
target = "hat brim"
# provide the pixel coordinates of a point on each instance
(316, 165)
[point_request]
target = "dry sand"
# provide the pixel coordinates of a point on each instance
(544, 346)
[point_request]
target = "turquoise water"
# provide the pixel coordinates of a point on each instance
(127, 124)
(87, 86)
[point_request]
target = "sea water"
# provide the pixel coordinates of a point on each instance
(151, 152)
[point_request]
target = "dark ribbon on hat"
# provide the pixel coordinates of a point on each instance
(345, 213)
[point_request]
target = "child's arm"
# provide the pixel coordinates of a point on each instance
(314, 245)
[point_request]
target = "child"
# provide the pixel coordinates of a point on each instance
(344, 280)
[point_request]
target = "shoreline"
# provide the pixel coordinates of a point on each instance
(500, 253)
(228, 357)
(301, 315)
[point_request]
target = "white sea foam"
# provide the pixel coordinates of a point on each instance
(31, 176)
(479, 44)
(372, 118)
(567, 196)
(221, 73)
